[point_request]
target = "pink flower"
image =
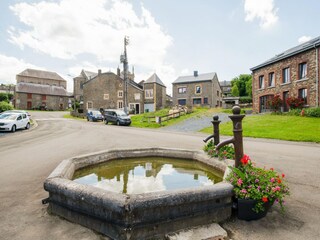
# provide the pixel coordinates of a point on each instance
(272, 180)
(243, 191)
(256, 181)
(239, 182)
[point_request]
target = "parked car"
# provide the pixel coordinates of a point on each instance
(118, 117)
(94, 115)
(13, 121)
(17, 111)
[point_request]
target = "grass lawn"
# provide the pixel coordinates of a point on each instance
(293, 128)
(137, 120)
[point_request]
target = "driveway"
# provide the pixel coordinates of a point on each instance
(28, 157)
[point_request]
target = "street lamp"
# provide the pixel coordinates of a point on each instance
(124, 60)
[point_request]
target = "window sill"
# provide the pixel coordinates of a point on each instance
(261, 89)
(271, 87)
(302, 79)
(283, 84)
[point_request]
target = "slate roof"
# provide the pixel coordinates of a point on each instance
(89, 74)
(154, 79)
(41, 89)
(290, 52)
(192, 78)
(41, 74)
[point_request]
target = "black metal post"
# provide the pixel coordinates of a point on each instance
(216, 131)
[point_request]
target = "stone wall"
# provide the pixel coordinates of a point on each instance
(41, 81)
(293, 86)
(103, 92)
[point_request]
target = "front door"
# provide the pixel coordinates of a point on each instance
(137, 108)
(29, 105)
(285, 104)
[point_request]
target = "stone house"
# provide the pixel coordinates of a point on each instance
(106, 90)
(154, 94)
(40, 89)
(78, 82)
(292, 73)
(197, 90)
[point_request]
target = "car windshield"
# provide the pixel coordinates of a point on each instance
(96, 112)
(8, 116)
(121, 114)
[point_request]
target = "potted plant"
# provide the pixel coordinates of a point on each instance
(256, 189)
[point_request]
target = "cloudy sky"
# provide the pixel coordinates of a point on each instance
(171, 38)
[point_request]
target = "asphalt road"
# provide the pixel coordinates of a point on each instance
(28, 157)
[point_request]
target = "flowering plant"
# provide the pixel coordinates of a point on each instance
(260, 184)
(295, 102)
(226, 152)
(275, 103)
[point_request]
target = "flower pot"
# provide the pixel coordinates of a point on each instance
(246, 212)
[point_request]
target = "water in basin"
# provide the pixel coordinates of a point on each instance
(151, 174)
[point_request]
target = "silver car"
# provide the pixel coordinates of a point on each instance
(13, 121)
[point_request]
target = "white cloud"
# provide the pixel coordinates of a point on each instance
(10, 67)
(304, 39)
(64, 30)
(264, 10)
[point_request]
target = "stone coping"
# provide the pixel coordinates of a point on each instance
(148, 214)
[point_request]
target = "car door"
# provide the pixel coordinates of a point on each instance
(19, 122)
(24, 120)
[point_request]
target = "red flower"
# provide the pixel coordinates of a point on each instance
(283, 175)
(279, 180)
(264, 199)
(271, 169)
(245, 159)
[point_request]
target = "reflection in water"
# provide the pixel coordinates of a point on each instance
(152, 174)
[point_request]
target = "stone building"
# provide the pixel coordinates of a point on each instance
(154, 94)
(106, 90)
(197, 90)
(78, 82)
(292, 73)
(40, 89)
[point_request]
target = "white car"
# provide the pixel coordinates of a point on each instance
(13, 121)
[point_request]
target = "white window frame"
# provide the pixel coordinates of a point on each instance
(184, 89)
(195, 89)
(89, 102)
(286, 75)
(272, 83)
(106, 96)
(120, 94)
(261, 81)
(303, 70)
(120, 104)
(148, 93)
(137, 96)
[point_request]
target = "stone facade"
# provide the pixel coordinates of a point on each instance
(193, 92)
(37, 89)
(106, 90)
(261, 93)
(154, 93)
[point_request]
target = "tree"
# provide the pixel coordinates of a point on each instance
(4, 97)
(241, 83)
(4, 106)
(235, 91)
(249, 87)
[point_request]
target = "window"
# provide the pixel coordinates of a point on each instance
(302, 70)
(198, 89)
(120, 94)
(137, 96)
(303, 94)
(182, 90)
(149, 93)
(182, 101)
(286, 75)
(43, 97)
(261, 82)
(205, 100)
(106, 96)
(196, 101)
(120, 104)
(29, 95)
(218, 93)
(89, 105)
(271, 79)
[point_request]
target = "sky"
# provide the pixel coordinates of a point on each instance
(169, 38)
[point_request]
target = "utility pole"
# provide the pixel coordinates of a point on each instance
(124, 60)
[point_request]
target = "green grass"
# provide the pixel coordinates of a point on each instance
(292, 128)
(137, 120)
(71, 117)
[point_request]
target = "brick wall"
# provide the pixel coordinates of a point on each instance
(295, 83)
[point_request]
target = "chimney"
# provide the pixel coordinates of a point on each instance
(195, 73)
(118, 71)
(99, 72)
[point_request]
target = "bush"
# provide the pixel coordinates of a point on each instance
(4, 97)
(245, 99)
(275, 103)
(294, 112)
(4, 106)
(295, 102)
(312, 112)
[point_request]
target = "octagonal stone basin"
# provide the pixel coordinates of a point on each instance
(137, 216)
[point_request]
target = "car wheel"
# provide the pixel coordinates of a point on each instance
(13, 129)
(118, 123)
(28, 126)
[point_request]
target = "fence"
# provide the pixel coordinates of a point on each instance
(164, 118)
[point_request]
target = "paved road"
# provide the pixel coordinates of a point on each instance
(28, 157)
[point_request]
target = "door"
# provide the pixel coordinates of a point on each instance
(137, 108)
(19, 122)
(285, 104)
(29, 105)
